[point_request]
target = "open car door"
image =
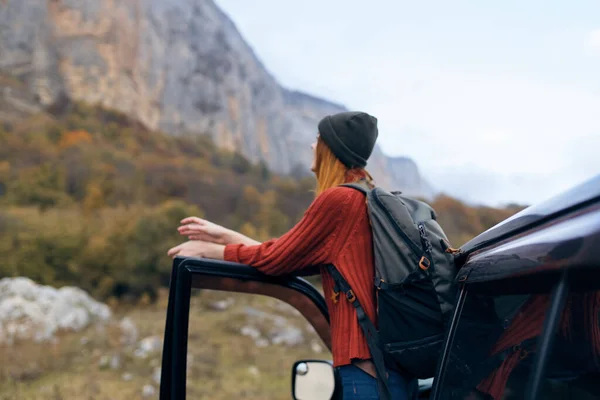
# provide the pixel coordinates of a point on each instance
(194, 273)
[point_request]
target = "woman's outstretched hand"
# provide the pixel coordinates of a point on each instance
(198, 248)
(200, 229)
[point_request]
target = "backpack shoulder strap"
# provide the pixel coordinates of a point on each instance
(362, 186)
(369, 330)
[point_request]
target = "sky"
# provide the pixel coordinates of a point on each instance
(497, 102)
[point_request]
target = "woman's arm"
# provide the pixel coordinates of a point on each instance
(315, 240)
(238, 238)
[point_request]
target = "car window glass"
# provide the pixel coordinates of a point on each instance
(494, 348)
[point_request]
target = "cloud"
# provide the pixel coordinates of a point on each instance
(592, 43)
(489, 139)
(497, 116)
(478, 186)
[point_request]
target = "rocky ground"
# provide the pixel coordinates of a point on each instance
(61, 344)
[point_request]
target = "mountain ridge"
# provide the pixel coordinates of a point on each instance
(180, 66)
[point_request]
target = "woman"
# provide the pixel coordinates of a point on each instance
(334, 230)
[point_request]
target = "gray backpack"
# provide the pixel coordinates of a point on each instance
(414, 280)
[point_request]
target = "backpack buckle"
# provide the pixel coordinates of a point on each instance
(448, 248)
(350, 296)
(424, 263)
(335, 296)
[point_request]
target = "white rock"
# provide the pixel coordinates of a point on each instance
(221, 305)
(148, 345)
(262, 343)
(310, 329)
(29, 311)
(156, 375)
(129, 333)
(151, 344)
(148, 391)
(254, 371)
(254, 313)
(104, 361)
(115, 362)
(316, 347)
(22, 287)
(21, 318)
(250, 331)
(46, 391)
(127, 377)
(289, 336)
(282, 332)
(74, 309)
(279, 321)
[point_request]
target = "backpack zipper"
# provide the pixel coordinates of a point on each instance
(424, 238)
(415, 249)
(426, 245)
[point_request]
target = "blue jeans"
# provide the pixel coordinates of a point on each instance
(358, 385)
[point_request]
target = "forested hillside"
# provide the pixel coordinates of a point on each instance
(91, 197)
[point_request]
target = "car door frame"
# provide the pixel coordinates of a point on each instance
(195, 273)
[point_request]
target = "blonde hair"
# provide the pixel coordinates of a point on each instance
(331, 172)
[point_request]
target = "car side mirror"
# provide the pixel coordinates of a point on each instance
(313, 380)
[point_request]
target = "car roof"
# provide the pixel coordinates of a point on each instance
(577, 197)
(528, 252)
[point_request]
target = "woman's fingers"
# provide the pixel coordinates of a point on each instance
(202, 235)
(174, 251)
(187, 226)
(184, 229)
(192, 220)
(197, 230)
(199, 236)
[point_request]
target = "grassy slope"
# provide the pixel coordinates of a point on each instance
(219, 365)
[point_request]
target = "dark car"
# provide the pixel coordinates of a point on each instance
(528, 308)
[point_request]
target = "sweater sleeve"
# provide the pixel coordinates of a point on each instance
(312, 241)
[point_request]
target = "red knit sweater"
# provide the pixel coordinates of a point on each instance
(334, 230)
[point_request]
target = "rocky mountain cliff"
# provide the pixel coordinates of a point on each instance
(176, 65)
